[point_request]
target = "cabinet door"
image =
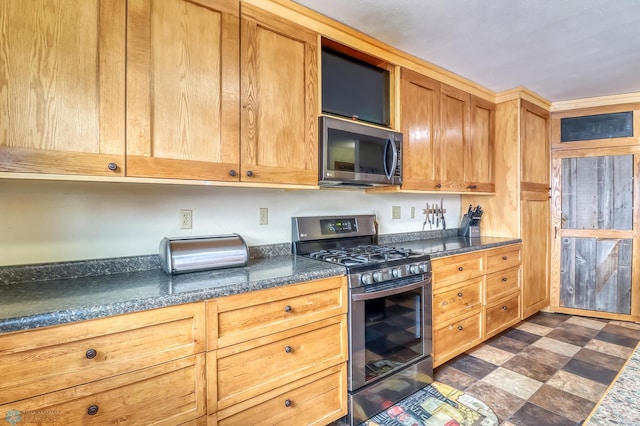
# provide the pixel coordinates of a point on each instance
(478, 164)
(62, 87)
(279, 119)
(535, 232)
(182, 89)
(534, 158)
(420, 127)
(454, 121)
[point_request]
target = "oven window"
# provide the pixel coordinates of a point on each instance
(393, 332)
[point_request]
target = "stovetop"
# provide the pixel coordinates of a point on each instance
(351, 241)
(363, 255)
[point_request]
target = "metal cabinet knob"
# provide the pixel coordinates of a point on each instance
(439, 185)
(460, 294)
(460, 268)
(288, 349)
(504, 279)
(92, 410)
(249, 173)
(460, 327)
(472, 186)
(288, 403)
(504, 257)
(232, 173)
(91, 354)
(504, 308)
(288, 308)
(112, 166)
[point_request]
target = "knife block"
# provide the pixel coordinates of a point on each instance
(470, 227)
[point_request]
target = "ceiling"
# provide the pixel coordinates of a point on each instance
(559, 49)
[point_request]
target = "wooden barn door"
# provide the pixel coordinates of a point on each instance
(594, 233)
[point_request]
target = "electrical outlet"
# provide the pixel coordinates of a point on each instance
(413, 212)
(186, 219)
(395, 212)
(264, 216)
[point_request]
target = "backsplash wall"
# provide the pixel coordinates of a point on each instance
(48, 221)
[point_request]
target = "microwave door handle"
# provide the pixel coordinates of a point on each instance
(390, 171)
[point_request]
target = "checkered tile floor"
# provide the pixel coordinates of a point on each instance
(551, 369)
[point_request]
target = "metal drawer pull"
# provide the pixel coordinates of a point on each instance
(287, 403)
(112, 166)
(460, 294)
(288, 308)
(288, 349)
(460, 327)
(460, 268)
(92, 410)
(91, 353)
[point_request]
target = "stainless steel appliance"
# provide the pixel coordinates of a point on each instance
(390, 340)
(353, 154)
(189, 254)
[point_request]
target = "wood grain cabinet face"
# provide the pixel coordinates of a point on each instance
(63, 87)
(167, 394)
(39, 361)
(448, 137)
(294, 339)
(467, 289)
(279, 92)
(183, 89)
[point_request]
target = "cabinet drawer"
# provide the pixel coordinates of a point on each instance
(503, 314)
(241, 317)
(456, 300)
(454, 269)
(35, 362)
(456, 337)
(318, 399)
(502, 283)
(503, 258)
(167, 394)
(260, 365)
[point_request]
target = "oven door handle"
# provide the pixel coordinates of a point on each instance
(387, 292)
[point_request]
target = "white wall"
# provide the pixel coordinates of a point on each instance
(44, 221)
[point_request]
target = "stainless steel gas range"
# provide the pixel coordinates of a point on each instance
(390, 341)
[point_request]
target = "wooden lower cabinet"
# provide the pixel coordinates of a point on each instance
(39, 361)
(476, 295)
(316, 399)
(171, 393)
(134, 369)
(279, 356)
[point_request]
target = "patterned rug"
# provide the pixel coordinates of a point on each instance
(436, 405)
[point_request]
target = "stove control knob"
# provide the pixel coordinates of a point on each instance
(377, 276)
(414, 269)
(366, 279)
(424, 267)
(396, 273)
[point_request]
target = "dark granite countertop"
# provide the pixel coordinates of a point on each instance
(29, 298)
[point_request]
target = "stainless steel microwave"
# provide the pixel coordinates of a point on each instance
(353, 154)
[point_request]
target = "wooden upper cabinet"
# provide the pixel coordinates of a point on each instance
(478, 165)
(183, 89)
(62, 87)
(420, 109)
(535, 137)
(455, 122)
(279, 99)
(448, 137)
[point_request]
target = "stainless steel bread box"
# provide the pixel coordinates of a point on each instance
(190, 254)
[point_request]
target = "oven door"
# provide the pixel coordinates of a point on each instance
(389, 328)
